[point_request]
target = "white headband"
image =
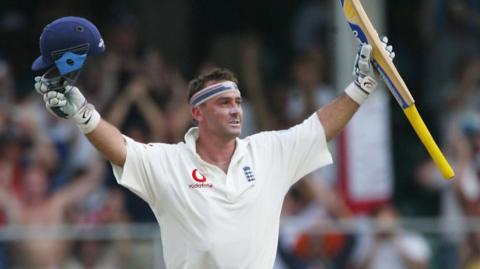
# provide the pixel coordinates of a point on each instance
(211, 91)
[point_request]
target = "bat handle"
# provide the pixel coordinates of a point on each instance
(422, 131)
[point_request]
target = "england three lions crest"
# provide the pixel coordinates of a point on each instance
(248, 174)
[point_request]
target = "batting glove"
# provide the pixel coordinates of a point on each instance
(68, 103)
(364, 73)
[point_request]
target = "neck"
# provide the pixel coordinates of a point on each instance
(215, 150)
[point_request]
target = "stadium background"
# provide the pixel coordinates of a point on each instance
(436, 43)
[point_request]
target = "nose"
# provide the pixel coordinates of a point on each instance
(235, 109)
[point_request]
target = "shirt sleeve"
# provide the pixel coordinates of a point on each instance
(137, 173)
(295, 152)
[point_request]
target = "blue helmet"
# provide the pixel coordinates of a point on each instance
(66, 42)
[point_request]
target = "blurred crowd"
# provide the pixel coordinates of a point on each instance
(50, 175)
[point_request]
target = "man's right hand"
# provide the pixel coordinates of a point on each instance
(64, 102)
(365, 75)
(69, 103)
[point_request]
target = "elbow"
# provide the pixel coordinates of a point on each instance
(118, 161)
(120, 157)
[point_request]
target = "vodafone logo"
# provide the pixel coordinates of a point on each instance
(200, 179)
(197, 176)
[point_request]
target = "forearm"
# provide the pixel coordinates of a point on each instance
(108, 140)
(153, 116)
(82, 184)
(118, 110)
(335, 115)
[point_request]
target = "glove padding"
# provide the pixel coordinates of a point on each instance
(363, 69)
(364, 73)
(68, 103)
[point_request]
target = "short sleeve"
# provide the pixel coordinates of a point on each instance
(136, 174)
(295, 152)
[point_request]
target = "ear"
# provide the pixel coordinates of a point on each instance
(197, 113)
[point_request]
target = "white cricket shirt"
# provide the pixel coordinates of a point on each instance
(209, 219)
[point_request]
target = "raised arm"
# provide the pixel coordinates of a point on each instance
(82, 184)
(153, 116)
(335, 115)
(69, 103)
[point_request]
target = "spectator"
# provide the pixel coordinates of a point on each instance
(310, 88)
(459, 198)
(168, 89)
(37, 207)
(455, 32)
(470, 251)
(135, 99)
(390, 246)
(309, 234)
(104, 254)
(92, 254)
(311, 25)
(462, 94)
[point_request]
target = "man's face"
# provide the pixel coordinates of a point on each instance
(221, 115)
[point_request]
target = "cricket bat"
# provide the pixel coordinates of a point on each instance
(364, 31)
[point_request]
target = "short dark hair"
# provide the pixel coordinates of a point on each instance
(216, 74)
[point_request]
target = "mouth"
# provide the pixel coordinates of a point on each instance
(234, 123)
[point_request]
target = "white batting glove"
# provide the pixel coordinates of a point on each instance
(69, 103)
(364, 73)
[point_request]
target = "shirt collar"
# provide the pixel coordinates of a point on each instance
(191, 138)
